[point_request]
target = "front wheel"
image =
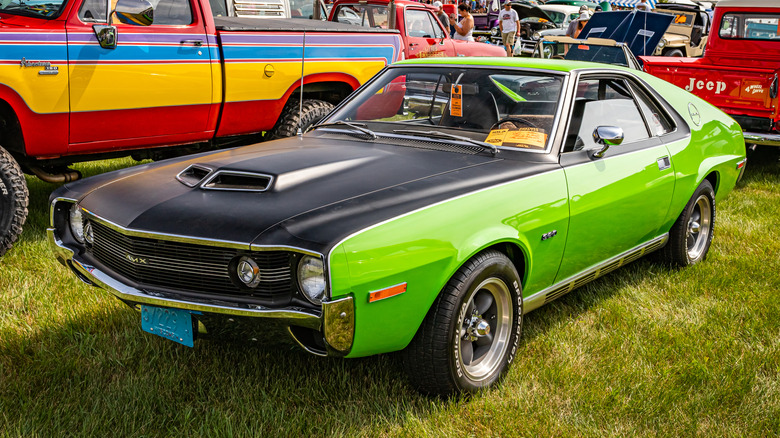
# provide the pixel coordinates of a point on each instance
(14, 198)
(691, 235)
(469, 337)
(296, 115)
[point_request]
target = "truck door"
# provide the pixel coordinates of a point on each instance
(154, 88)
(425, 36)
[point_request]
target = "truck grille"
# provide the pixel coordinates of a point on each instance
(187, 268)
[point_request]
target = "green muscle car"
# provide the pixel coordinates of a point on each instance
(427, 213)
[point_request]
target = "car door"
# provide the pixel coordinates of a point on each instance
(154, 87)
(619, 201)
(425, 36)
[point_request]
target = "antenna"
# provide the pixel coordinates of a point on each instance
(300, 94)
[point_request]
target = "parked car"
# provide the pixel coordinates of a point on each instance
(534, 28)
(688, 33)
(532, 19)
(431, 229)
(739, 70)
(424, 36)
(592, 50)
(159, 81)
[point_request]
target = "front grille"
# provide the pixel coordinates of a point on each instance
(184, 267)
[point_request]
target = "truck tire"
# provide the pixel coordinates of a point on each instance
(290, 120)
(14, 199)
(675, 53)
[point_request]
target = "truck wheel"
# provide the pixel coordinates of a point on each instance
(675, 53)
(691, 235)
(14, 198)
(312, 111)
(469, 337)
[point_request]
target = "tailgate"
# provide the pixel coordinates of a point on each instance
(735, 90)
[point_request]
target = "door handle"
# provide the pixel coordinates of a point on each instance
(664, 163)
(196, 43)
(412, 44)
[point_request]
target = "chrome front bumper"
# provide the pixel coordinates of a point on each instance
(336, 321)
(761, 138)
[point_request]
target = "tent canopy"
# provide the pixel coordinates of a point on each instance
(631, 3)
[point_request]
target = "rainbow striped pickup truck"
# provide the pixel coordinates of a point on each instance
(88, 79)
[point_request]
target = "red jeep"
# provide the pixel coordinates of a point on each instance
(739, 70)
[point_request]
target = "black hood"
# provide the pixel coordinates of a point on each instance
(320, 192)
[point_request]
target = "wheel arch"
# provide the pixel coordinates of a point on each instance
(11, 137)
(330, 87)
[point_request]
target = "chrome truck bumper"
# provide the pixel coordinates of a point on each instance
(336, 321)
(761, 138)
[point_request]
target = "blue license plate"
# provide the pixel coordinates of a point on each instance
(172, 324)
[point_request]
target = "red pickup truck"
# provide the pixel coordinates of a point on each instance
(78, 84)
(423, 34)
(739, 70)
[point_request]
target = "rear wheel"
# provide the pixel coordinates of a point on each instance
(14, 198)
(294, 117)
(675, 53)
(469, 337)
(691, 235)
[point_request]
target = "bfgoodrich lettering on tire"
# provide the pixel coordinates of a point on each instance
(469, 337)
(691, 235)
(13, 201)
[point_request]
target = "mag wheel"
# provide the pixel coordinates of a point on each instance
(469, 337)
(691, 235)
(13, 201)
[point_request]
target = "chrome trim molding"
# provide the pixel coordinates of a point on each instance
(760, 138)
(564, 287)
(53, 203)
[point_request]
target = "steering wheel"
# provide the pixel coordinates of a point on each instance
(513, 119)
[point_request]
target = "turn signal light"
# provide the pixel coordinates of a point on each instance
(391, 291)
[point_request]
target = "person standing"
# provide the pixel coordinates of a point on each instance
(643, 6)
(574, 23)
(508, 22)
(440, 14)
(465, 27)
(581, 22)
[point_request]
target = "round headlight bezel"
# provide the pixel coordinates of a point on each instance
(310, 274)
(248, 272)
(76, 222)
(536, 36)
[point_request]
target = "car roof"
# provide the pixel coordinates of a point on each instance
(748, 3)
(532, 63)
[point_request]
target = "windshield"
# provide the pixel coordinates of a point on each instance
(499, 106)
(613, 55)
(36, 8)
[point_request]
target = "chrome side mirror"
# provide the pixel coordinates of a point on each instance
(106, 35)
(135, 12)
(607, 136)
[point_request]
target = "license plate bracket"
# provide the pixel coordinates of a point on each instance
(172, 324)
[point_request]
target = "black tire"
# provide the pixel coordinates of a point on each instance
(14, 199)
(691, 235)
(675, 53)
(437, 360)
(312, 111)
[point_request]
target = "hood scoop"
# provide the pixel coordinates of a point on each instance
(193, 175)
(238, 181)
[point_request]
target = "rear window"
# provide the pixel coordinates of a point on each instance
(750, 26)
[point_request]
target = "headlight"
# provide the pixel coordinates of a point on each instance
(248, 271)
(663, 43)
(536, 35)
(76, 222)
(494, 31)
(311, 278)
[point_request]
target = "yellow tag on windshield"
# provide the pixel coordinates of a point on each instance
(456, 101)
(496, 136)
(526, 138)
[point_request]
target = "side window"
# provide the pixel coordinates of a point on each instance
(600, 102)
(166, 12)
(657, 120)
(418, 24)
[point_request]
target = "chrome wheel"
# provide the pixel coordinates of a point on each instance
(485, 326)
(699, 227)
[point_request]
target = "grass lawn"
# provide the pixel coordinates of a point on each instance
(644, 351)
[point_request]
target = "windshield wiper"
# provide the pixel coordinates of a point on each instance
(437, 134)
(356, 126)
